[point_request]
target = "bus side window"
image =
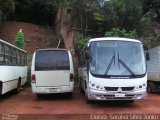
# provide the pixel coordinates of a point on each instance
(1, 53)
(22, 59)
(18, 58)
(8, 59)
(14, 57)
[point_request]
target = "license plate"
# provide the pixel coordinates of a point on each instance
(119, 95)
(52, 90)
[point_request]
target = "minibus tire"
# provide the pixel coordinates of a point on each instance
(39, 95)
(86, 98)
(130, 101)
(81, 89)
(18, 89)
(70, 94)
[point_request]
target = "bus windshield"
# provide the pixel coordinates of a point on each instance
(52, 60)
(117, 59)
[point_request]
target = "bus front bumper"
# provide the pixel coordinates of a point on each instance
(49, 90)
(104, 95)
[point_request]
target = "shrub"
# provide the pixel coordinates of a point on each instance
(19, 40)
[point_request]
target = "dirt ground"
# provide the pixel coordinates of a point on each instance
(36, 36)
(26, 106)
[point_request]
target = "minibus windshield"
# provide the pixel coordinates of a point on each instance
(117, 58)
(52, 60)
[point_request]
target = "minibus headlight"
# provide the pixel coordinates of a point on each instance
(144, 84)
(95, 86)
(141, 86)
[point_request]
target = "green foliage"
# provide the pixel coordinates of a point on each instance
(154, 6)
(115, 32)
(19, 40)
(36, 11)
(7, 8)
(122, 13)
(81, 43)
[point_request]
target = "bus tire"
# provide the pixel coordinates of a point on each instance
(18, 89)
(86, 98)
(81, 89)
(39, 95)
(70, 94)
(130, 101)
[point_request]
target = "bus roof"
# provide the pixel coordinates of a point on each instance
(2, 41)
(114, 38)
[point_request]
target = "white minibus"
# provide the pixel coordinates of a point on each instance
(113, 68)
(52, 72)
(13, 67)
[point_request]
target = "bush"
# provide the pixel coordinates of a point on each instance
(81, 43)
(19, 40)
(116, 32)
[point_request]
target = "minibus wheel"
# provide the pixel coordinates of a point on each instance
(18, 89)
(130, 101)
(39, 95)
(70, 94)
(81, 89)
(86, 97)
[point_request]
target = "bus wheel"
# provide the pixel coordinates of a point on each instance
(39, 96)
(70, 94)
(86, 97)
(130, 101)
(18, 89)
(81, 89)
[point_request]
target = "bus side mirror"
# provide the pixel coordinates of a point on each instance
(87, 55)
(147, 56)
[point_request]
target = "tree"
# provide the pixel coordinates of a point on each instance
(154, 6)
(36, 11)
(19, 40)
(81, 43)
(122, 13)
(115, 32)
(7, 8)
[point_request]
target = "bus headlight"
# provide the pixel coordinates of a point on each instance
(95, 86)
(144, 85)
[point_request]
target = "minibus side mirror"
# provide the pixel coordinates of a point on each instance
(147, 56)
(87, 55)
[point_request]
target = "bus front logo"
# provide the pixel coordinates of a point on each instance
(119, 89)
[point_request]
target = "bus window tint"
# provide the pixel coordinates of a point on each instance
(52, 60)
(18, 58)
(8, 58)
(1, 53)
(14, 57)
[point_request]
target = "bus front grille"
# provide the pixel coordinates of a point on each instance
(111, 88)
(116, 88)
(127, 88)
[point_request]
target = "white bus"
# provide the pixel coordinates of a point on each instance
(113, 68)
(52, 72)
(13, 67)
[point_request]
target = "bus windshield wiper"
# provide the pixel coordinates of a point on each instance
(124, 64)
(109, 65)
